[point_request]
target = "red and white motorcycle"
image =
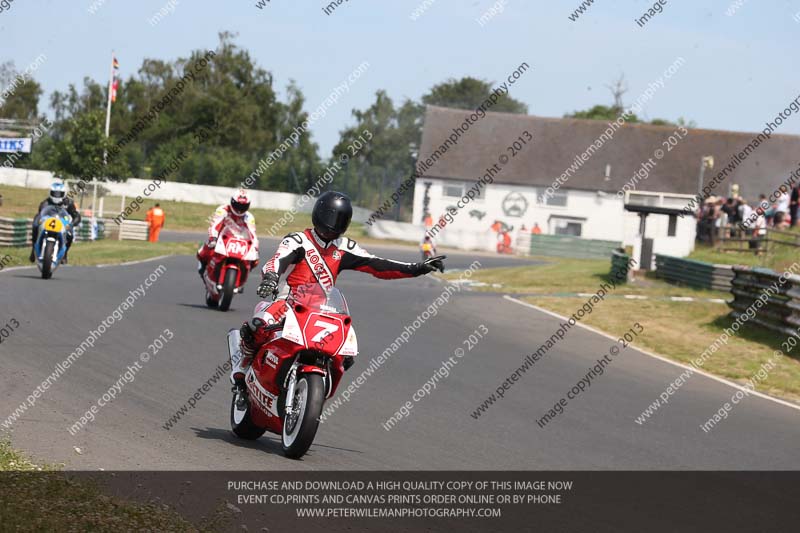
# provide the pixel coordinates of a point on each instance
(296, 370)
(226, 273)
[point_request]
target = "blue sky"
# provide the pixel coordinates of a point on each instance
(739, 70)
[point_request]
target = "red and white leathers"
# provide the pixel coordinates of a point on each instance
(221, 218)
(305, 258)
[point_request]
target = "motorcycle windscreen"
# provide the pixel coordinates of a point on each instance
(316, 298)
(52, 211)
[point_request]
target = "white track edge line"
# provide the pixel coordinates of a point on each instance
(134, 262)
(661, 357)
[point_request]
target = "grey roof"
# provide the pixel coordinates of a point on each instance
(557, 141)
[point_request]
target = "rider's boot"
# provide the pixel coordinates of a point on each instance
(248, 348)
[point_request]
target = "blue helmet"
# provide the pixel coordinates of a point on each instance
(57, 192)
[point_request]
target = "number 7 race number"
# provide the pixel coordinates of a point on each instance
(327, 330)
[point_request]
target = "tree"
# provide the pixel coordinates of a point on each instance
(22, 102)
(79, 153)
(396, 132)
(231, 99)
(601, 112)
(387, 156)
(469, 93)
(607, 113)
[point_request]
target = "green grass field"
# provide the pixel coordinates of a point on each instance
(36, 497)
(678, 330)
(19, 202)
(182, 216)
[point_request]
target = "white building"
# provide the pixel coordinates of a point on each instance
(574, 177)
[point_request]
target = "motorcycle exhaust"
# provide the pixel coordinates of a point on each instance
(234, 351)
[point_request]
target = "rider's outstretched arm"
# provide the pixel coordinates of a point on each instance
(356, 258)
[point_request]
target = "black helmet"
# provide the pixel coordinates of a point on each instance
(331, 215)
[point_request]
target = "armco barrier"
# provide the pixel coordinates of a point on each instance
(17, 231)
(697, 274)
(620, 266)
(780, 312)
(573, 247)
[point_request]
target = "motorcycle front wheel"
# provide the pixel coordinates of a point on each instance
(227, 289)
(47, 260)
(300, 426)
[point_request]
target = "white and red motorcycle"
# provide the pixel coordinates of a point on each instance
(235, 254)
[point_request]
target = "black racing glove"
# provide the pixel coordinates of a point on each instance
(268, 286)
(431, 264)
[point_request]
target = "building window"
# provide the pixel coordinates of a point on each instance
(558, 198)
(644, 199)
(453, 191)
(566, 226)
(458, 191)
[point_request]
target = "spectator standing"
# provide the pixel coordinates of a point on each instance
(155, 221)
(782, 206)
(793, 204)
(781, 220)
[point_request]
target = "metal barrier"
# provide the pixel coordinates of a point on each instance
(620, 266)
(17, 231)
(697, 274)
(573, 247)
(133, 230)
(780, 309)
(769, 240)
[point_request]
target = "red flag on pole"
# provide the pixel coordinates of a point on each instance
(115, 82)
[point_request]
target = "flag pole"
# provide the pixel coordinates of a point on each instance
(108, 106)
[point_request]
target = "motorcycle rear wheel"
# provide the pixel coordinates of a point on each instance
(227, 289)
(300, 427)
(47, 260)
(241, 424)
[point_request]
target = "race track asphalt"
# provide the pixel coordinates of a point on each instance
(596, 431)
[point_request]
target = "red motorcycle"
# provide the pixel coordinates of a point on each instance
(296, 370)
(226, 273)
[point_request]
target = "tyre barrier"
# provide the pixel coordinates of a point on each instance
(17, 231)
(780, 302)
(696, 274)
(620, 266)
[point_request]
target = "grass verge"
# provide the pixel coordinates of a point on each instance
(678, 330)
(19, 202)
(40, 498)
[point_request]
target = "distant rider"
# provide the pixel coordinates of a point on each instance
(427, 247)
(58, 198)
(235, 214)
(316, 256)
